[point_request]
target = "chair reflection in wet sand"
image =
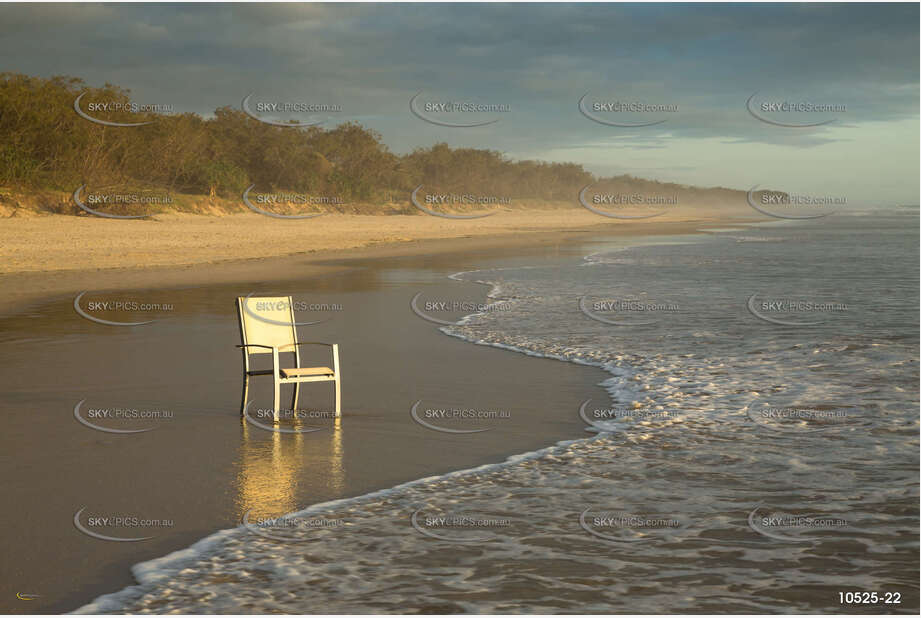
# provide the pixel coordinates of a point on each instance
(267, 326)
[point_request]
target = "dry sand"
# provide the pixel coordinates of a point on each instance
(60, 242)
(55, 254)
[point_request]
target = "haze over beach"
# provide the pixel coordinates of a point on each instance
(617, 303)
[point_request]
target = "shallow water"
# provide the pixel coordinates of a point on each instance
(200, 467)
(753, 457)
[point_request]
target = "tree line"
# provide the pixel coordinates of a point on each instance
(46, 144)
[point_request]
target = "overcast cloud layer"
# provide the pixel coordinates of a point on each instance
(538, 60)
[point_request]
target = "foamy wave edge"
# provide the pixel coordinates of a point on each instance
(156, 570)
(152, 571)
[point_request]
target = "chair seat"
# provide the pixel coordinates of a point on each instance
(300, 372)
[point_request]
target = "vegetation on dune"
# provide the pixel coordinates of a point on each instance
(47, 146)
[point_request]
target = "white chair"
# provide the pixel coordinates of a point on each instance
(267, 327)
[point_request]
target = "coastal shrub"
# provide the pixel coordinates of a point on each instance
(46, 144)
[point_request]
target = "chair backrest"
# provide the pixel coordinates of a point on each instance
(267, 320)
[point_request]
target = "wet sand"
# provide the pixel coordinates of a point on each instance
(201, 468)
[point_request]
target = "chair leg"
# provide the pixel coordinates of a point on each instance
(297, 387)
(245, 393)
(338, 399)
(277, 400)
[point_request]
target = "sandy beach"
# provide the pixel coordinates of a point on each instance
(42, 256)
(59, 242)
(202, 468)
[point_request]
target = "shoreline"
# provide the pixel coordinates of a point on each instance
(25, 288)
(543, 415)
(164, 573)
(377, 447)
(155, 570)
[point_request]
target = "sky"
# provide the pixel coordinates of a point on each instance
(701, 61)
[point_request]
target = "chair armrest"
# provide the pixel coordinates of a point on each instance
(333, 346)
(274, 349)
